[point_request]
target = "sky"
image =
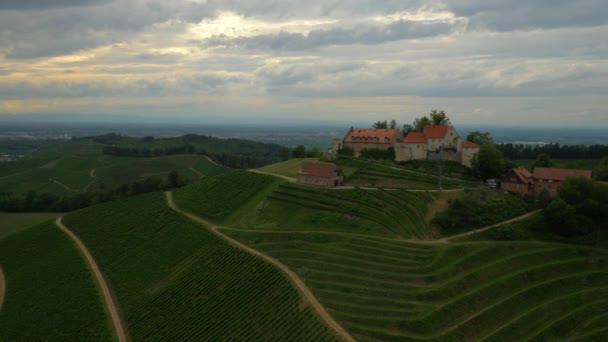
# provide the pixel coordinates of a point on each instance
(499, 62)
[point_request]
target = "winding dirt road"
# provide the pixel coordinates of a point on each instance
(109, 304)
(515, 219)
(2, 288)
(293, 277)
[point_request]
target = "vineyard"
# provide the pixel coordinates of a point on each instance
(388, 290)
(377, 212)
(388, 177)
(50, 292)
(174, 280)
(218, 197)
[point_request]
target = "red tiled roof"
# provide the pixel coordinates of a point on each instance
(469, 144)
(316, 168)
(436, 131)
(371, 135)
(523, 174)
(415, 138)
(558, 174)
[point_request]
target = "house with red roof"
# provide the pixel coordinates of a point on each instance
(550, 178)
(518, 180)
(320, 174)
(436, 142)
(358, 139)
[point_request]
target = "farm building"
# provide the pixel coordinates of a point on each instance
(358, 139)
(548, 178)
(518, 180)
(319, 174)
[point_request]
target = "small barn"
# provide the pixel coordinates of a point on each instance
(320, 174)
(549, 178)
(518, 180)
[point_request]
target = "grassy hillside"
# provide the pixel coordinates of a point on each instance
(396, 177)
(288, 168)
(389, 290)
(175, 280)
(11, 223)
(69, 174)
(377, 212)
(217, 197)
(51, 294)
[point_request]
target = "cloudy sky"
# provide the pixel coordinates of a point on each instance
(543, 62)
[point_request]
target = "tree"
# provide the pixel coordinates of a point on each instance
(380, 124)
(438, 117)
(393, 124)
(480, 138)
(407, 128)
(488, 162)
(299, 151)
(543, 160)
(420, 122)
(601, 172)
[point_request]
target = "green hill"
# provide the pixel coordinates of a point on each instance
(51, 294)
(174, 280)
(380, 289)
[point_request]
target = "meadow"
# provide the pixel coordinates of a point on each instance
(50, 294)
(218, 197)
(288, 168)
(11, 223)
(175, 280)
(380, 289)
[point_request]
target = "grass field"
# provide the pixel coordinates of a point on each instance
(288, 168)
(218, 197)
(177, 281)
(11, 223)
(380, 289)
(378, 212)
(394, 177)
(68, 174)
(51, 295)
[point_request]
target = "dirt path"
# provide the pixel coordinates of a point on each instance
(212, 161)
(197, 172)
(2, 288)
(63, 185)
(293, 277)
(92, 173)
(515, 219)
(109, 304)
(289, 179)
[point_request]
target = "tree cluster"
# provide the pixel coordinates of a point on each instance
(553, 150)
(435, 117)
(580, 207)
(39, 202)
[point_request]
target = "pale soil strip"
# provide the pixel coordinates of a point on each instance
(347, 187)
(212, 161)
(2, 288)
(289, 179)
(197, 172)
(111, 307)
(515, 219)
(92, 173)
(293, 277)
(63, 185)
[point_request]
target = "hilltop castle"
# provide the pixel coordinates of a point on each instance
(435, 142)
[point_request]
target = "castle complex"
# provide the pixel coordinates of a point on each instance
(435, 142)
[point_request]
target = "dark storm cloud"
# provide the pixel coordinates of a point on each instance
(511, 15)
(360, 34)
(33, 34)
(35, 5)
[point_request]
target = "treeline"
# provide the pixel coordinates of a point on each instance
(230, 160)
(41, 202)
(553, 150)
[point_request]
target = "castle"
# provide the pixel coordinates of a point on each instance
(435, 142)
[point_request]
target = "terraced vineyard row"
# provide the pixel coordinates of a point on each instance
(384, 290)
(217, 197)
(382, 176)
(176, 281)
(382, 212)
(51, 294)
